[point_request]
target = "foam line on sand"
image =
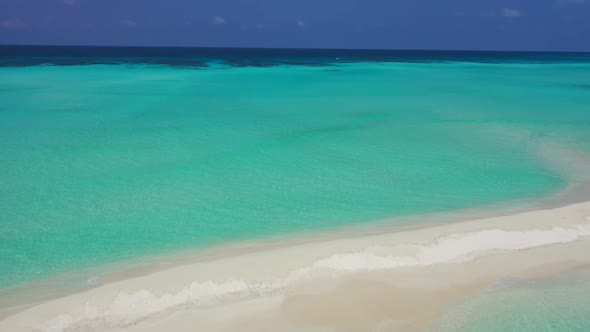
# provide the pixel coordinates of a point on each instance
(278, 272)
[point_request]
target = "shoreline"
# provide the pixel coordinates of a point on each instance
(76, 281)
(87, 279)
(14, 300)
(285, 258)
(109, 280)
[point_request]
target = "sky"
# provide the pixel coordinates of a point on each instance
(544, 25)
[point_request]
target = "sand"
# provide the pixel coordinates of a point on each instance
(396, 281)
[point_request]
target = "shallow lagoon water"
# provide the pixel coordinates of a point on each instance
(558, 304)
(105, 162)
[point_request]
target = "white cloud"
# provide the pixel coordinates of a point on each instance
(13, 23)
(129, 23)
(218, 20)
(509, 12)
(567, 3)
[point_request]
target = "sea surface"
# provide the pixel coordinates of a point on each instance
(109, 154)
(558, 304)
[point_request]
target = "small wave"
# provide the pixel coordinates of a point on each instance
(457, 248)
(128, 309)
(94, 281)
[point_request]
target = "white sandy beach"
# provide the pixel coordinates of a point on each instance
(397, 281)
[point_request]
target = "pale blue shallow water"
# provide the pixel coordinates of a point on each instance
(558, 304)
(101, 163)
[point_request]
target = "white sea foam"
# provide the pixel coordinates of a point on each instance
(129, 309)
(93, 281)
(457, 248)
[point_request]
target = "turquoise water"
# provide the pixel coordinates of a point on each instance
(552, 305)
(100, 163)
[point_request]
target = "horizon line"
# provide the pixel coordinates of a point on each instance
(300, 48)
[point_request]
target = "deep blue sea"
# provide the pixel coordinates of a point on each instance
(259, 57)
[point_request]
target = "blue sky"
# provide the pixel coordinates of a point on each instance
(405, 24)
